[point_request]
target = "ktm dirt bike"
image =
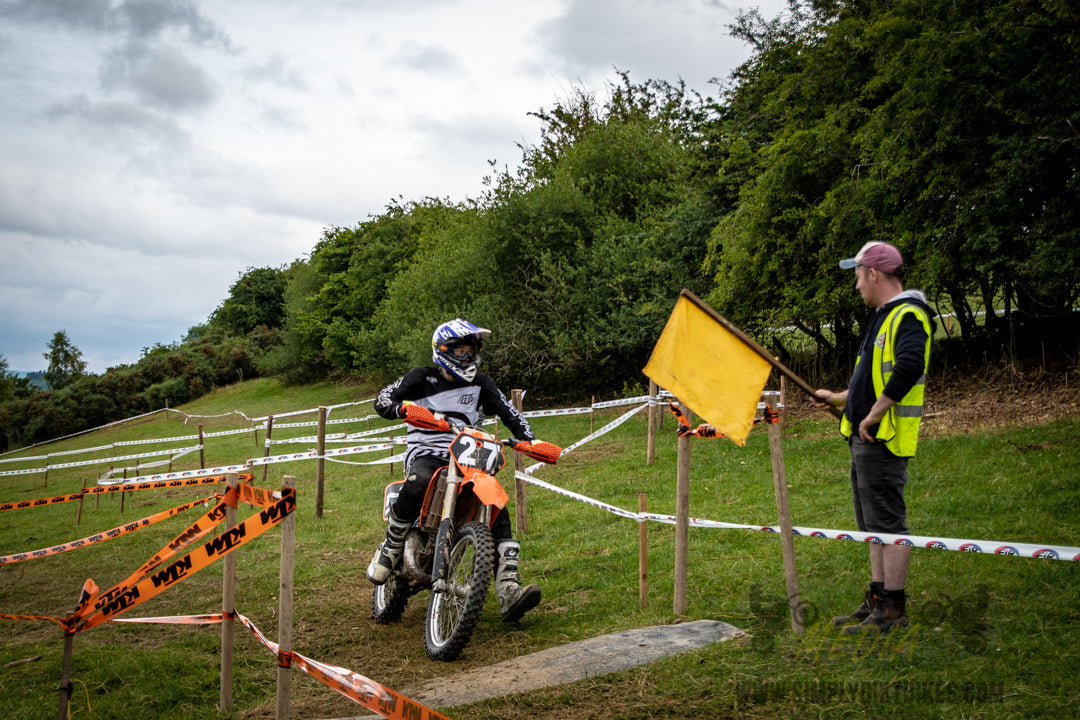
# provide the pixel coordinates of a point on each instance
(450, 548)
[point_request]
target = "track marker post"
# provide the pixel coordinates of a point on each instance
(650, 443)
(228, 603)
(682, 519)
(285, 607)
(520, 500)
(266, 445)
(787, 541)
(643, 553)
(65, 676)
(320, 464)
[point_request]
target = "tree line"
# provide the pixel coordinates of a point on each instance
(951, 129)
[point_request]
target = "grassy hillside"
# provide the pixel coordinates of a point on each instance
(993, 636)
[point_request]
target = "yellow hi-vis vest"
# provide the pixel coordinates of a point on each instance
(899, 428)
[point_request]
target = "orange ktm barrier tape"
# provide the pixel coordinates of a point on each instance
(257, 496)
(36, 618)
(178, 570)
(196, 531)
(160, 484)
(23, 504)
(120, 487)
(208, 619)
(372, 695)
(102, 536)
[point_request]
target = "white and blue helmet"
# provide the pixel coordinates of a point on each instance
(456, 332)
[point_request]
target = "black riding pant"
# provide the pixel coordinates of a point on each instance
(411, 498)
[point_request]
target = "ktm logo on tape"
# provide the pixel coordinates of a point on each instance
(226, 541)
(174, 573)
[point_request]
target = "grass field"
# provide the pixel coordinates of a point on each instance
(992, 636)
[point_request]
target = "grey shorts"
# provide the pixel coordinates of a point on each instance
(877, 486)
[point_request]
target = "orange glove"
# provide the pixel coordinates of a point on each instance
(421, 417)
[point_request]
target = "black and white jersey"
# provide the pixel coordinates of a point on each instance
(465, 402)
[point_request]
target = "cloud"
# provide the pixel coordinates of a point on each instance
(161, 77)
(427, 58)
(591, 39)
(153, 149)
(118, 123)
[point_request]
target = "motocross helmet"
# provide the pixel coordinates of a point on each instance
(453, 333)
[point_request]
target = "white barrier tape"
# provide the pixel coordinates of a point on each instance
(89, 430)
(306, 439)
(400, 457)
(376, 431)
(174, 452)
(389, 438)
(223, 433)
(31, 471)
(563, 411)
(607, 428)
(315, 423)
(75, 452)
(202, 472)
(157, 463)
(580, 498)
(28, 458)
(294, 413)
(327, 454)
(995, 547)
(181, 438)
(623, 401)
(122, 458)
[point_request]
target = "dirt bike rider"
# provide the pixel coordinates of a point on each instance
(456, 390)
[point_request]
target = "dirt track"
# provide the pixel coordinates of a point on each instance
(569, 663)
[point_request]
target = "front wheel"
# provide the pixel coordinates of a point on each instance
(454, 611)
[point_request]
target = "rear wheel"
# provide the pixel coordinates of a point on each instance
(389, 599)
(453, 612)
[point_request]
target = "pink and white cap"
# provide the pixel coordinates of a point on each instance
(878, 255)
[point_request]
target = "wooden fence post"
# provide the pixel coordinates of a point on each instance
(65, 677)
(520, 500)
(320, 464)
(266, 447)
(228, 602)
(650, 445)
(787, 541)
(285, 605)
(643, 553)
(682, 519)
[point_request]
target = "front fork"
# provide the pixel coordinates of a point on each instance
(443, 537)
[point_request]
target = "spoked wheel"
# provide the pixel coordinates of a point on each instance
(453, 612)
(389, 599)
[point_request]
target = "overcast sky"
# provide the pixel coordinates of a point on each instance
(152, 150)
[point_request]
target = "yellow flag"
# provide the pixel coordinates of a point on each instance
(709, 368)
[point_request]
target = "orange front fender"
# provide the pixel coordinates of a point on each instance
(486, 488)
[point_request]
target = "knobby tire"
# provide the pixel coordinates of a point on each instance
(452, 615)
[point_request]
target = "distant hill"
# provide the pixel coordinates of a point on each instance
(37, 378)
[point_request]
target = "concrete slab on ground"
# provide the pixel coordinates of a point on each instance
(568, 663)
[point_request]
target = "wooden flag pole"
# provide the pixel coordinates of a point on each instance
(750, 343)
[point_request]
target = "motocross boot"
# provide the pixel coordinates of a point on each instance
(388, 553)
(514, 600)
